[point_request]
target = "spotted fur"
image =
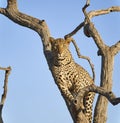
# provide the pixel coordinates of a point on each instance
(69, 76)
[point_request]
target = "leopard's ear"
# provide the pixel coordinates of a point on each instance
(51, 39)
(68, 40)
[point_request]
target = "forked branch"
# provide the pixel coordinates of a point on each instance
(115, 48)
(79, 101)
(93, 88)
(89, 28)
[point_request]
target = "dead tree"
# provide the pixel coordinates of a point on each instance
(107, 53)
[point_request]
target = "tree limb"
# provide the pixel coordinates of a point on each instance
(74, 31)
(7, 73)
(80, 25)
(22, 19)
(40, 26)
(93, 88)
(4, 68)
(104, 11)
(91, 31)
(84, 57)
(115, 48)
(80, 98)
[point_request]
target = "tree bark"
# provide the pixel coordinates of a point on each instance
(100, 113)
(4, 95)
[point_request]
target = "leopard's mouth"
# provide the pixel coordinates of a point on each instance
(60, 57)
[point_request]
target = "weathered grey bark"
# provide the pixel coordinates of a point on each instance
(106, 82)
(107, 53)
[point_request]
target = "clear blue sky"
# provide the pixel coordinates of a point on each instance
(33, 96)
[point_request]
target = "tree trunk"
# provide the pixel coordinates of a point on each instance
(100, 113)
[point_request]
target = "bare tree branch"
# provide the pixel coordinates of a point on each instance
(40, 26)
(1, 107)
(80, 98)
(91, 31)
(103, 11)
(93, 88)
(22, 19)
(7, 73)
(115, 48)
(74, 31)
(4, 68)
(84, 57)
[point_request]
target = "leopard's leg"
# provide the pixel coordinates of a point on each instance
(88, 103)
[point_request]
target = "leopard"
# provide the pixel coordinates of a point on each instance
(69, 76)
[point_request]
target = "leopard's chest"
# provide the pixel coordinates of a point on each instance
(65, 74)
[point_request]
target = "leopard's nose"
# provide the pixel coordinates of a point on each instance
(60, 49)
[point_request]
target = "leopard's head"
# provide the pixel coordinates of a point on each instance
(60, 51)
